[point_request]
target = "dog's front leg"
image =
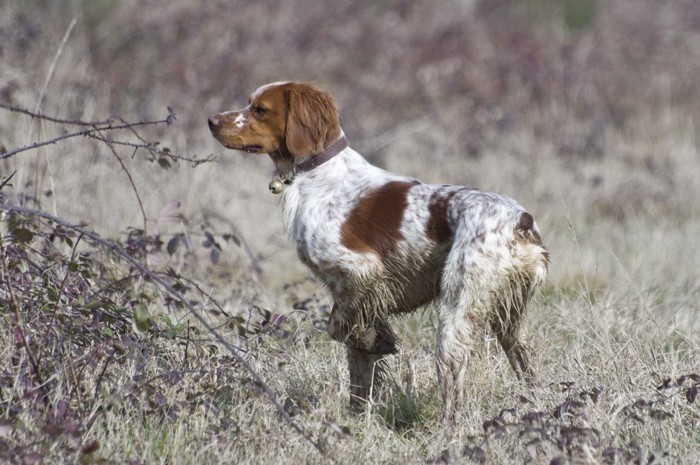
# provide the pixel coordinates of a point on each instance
(367, 346)
(366, 373)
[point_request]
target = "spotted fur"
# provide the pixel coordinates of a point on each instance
(386, 244)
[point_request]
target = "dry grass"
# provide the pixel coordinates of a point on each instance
(586, 112)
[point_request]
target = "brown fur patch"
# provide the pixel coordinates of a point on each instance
(312, 119)
(438, 228)
(374, 224)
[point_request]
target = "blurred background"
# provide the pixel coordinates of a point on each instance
(584, 110)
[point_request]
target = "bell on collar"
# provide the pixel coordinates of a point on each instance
(276, 186)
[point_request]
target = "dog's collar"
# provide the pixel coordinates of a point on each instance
(317, 159)
(278, 184)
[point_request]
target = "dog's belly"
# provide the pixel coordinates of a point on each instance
(411, 288)
(400, 284)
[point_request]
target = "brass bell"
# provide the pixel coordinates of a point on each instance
(276, 186)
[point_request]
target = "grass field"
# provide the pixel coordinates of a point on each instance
(585, 111)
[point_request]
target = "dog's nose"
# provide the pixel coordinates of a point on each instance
(214, 121)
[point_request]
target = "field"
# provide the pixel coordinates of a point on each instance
(153, 310)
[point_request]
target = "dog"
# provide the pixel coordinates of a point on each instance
(386, 244)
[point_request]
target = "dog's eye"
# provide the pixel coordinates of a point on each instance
(259, 111)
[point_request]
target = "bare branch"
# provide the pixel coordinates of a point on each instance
(148, 146)
(53, 119)
(84, 132)
(133, 186)
(95, 132)
(202, 292)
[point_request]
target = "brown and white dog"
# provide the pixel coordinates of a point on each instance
(386, 244)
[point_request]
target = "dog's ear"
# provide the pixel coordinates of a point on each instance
(312, 120)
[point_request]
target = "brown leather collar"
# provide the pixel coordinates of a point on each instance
(317, 159)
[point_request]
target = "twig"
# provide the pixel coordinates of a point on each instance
(98, 380)
(154, 277)
(151, 149)
(138, 136)
(98, 383)
(133, 186)
(84, 132)
(187, 345)
(52, 119)
(77, 385)
(94, 132)
(173, 274)
(62, 286)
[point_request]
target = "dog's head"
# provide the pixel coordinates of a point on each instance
(288, 120)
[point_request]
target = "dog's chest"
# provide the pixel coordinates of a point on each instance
(314, 224)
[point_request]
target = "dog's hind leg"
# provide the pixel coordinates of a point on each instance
(530, 261)
(463, 302)
(455, 340)
(517, 351)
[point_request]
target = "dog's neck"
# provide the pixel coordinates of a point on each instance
(317, 159)
(286, 166)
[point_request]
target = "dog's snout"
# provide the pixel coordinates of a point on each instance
(214, 121)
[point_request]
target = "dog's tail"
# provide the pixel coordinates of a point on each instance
(529, 251)
(526, 273)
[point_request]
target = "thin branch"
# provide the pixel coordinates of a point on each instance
(151, 149)
(77, 385)
(135, 133)
(175, 275)
(84, 132)
(95, 128)
(98, 383)
(61, 287)
(52, 119)
(133, 186)
(154, 277)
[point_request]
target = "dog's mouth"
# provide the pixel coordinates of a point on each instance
(252, 148)
(233, 142)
